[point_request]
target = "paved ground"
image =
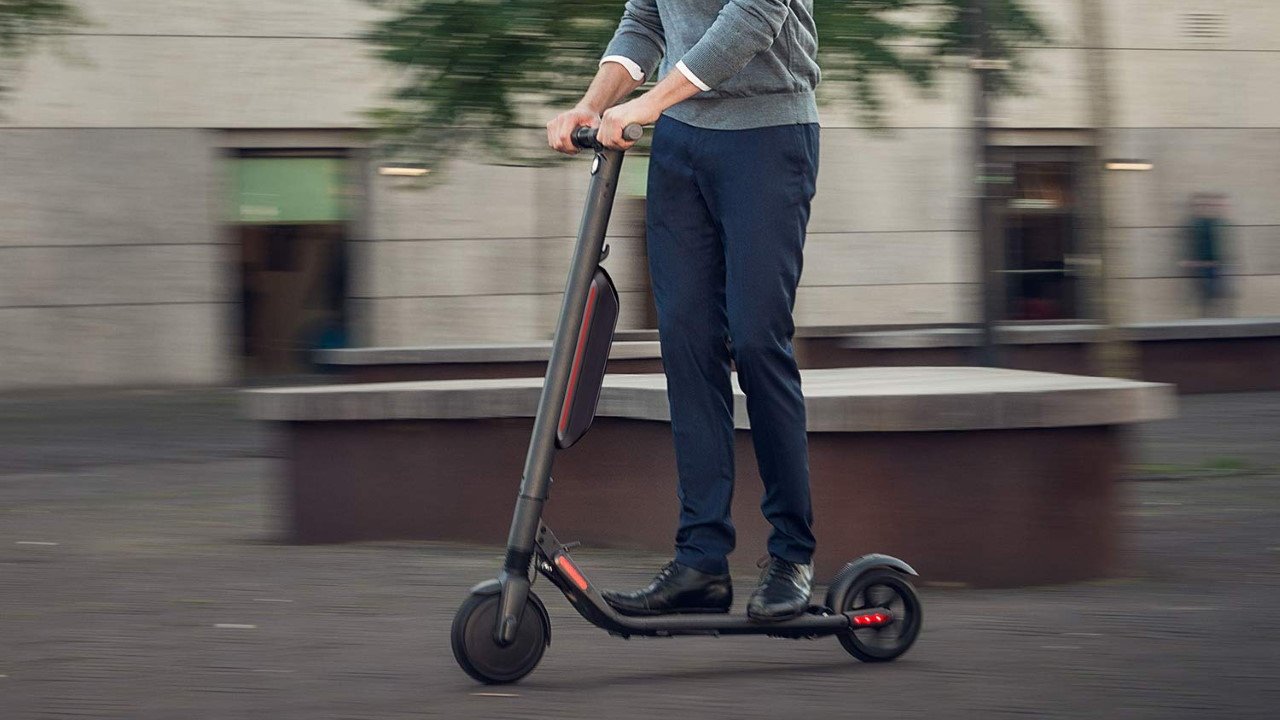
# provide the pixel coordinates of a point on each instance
(139, 579)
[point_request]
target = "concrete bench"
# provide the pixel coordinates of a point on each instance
(1199, 356)
(978, 476)
(451, 362)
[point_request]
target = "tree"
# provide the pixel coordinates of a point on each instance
(484, 64)
(24, 23)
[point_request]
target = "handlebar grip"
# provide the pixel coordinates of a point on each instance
(585, 137)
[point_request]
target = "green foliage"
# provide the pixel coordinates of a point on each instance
(864, 40)
(24, 23)
(484, 64)
(472, 64)
(1013, 27)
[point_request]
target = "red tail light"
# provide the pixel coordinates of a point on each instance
(871, 619)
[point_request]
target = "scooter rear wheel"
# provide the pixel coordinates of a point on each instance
(478, 652)
(882, 588)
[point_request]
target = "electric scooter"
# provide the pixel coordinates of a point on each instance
(502, 629)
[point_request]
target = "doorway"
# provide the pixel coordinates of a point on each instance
(291, 227)
(1041, 223)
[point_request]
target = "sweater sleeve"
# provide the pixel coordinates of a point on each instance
(639, 43)
(743, 29)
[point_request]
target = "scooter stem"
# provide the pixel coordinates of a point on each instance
(605, 169)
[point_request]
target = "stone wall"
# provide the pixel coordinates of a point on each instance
(112, 268)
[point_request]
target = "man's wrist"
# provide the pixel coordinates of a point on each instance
(656, 101)
(672, 90)
(585, 105)
(647, 106)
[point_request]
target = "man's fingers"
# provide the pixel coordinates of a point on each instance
(563, 136)
(559, 134)
(611, 135)
(566, 137)
(561, 129)
(606, 132)
(553, 134)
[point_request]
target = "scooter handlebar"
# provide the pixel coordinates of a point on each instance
(585, 137)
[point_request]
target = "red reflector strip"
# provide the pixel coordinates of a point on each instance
(566, 566)
(577, 358)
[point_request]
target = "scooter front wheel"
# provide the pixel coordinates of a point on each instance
(478, 652)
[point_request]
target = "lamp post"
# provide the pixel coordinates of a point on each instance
(990, 248)
(1113, 354)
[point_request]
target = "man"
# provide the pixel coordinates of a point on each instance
(731, 175)
(1205, 239)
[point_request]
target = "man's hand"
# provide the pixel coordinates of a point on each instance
(560, 129)
(641, 111)
(612, 83)
(644, 110)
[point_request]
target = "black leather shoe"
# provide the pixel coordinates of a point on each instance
(677, 589)
(783, 592)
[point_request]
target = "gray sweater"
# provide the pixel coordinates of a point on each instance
(756, 60)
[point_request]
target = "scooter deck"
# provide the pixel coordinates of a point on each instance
(813, 623)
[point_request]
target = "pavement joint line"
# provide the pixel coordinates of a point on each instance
(271, 600)
(235, 626)
(495, 694)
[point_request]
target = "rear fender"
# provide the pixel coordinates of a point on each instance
(850, 573)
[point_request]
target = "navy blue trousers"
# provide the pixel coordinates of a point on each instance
(727, 211)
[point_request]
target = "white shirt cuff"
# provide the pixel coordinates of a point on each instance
(684, 70)
(632, 67)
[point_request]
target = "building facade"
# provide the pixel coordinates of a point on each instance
(189, 196)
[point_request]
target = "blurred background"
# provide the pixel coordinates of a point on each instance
(201, 197)
(192, 191)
